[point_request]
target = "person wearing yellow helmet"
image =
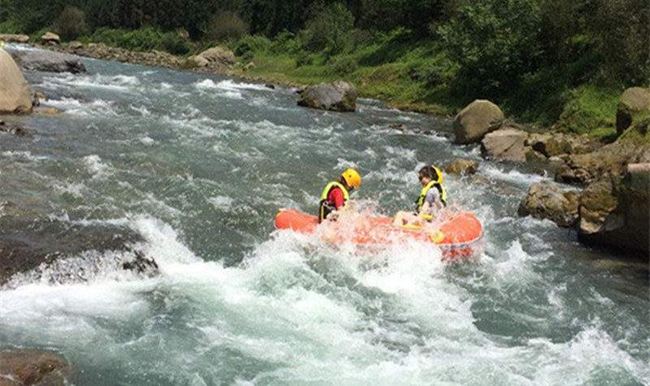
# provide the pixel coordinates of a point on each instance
(432, 198)
(337, 193)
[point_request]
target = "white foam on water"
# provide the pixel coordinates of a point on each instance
(22, 155)
(513, 176)
(221, 202)
(96, 107)
(96, 167)
(147, 141)
(119, 83)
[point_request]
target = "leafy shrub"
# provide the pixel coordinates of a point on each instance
(329, 30)
(144, 39)
(174, 43)
(71, 23)
(304, 59)
(286, 43)
(226, 26)
(495, 42)
(341, 65)
(251, 44)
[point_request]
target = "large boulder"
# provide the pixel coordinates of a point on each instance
(461, 167)
(15, 94)
(33, 367)
(505, 145)
(545, 200)
(337, 96)
(13, 38)
(616, 212)
(50, 38)
(218, 56)
(49, 61)
(475, 120)
(634, 102)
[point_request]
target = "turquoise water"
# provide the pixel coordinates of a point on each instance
(198, 165)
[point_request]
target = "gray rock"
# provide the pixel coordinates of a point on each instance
(546, 201)
(49, 61)
(337, 96)
(475, 120)
(505, 145)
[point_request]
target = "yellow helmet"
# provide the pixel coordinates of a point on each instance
(352, 178)
(439, 173)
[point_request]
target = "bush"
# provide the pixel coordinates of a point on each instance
(495, 42)
(251, 44)
(341, 65)
(304, 59)
(144, 39)
(226, 26)
(286, 43)
(175, 44)
(329, 30)
(71, 23)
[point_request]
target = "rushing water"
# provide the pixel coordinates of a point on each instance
(198, 165)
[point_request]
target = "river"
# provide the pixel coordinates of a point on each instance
(199, 164)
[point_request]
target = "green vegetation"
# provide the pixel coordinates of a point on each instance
(548, 62)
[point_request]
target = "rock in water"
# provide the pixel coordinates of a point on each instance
(15, 94)
(49, 61)
(33, 367)
(545, 200)
(505, 145)
(337, 96)
(477, 119)
(634, 102)
(461, 167)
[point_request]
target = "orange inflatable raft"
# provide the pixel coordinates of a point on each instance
(458, 236)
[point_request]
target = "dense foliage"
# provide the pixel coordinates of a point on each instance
(532, 56)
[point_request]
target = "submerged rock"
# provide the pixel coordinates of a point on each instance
(461, 167)
(336, 96)
(15, 94)
(475, 120)
(546, 201)
(33, 367)
(16, 130)
(30, 243)
(505, 145)
(49, 61)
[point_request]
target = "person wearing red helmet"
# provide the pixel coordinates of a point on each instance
(337, 193)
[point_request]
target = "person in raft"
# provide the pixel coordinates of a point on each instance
(337, 193)
(431, 200)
